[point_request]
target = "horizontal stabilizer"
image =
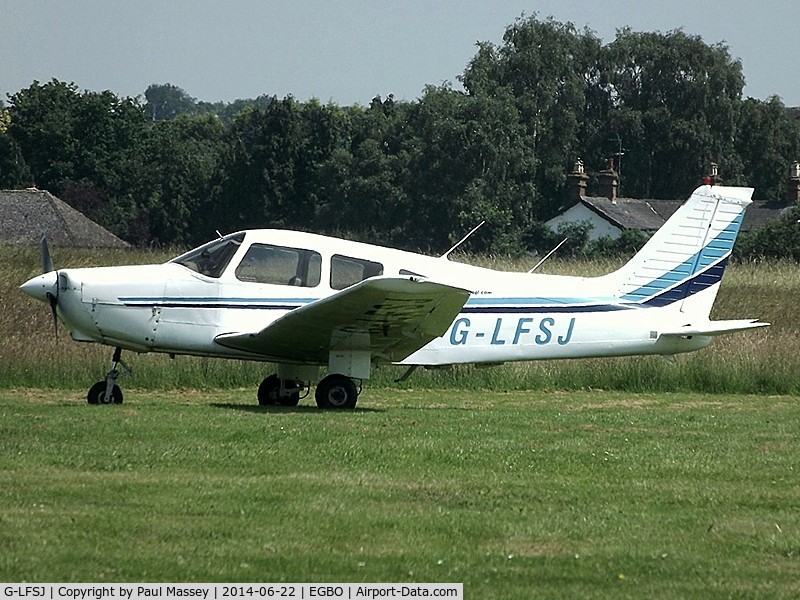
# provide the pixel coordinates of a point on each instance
(391, 317)
(715, 328)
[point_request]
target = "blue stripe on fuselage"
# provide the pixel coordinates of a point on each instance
(575, 308)
(216, 302)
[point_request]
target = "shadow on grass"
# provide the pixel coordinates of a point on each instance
(255, 408)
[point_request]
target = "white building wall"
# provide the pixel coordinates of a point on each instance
(579, 213)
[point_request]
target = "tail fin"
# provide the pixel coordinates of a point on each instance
(682, 264)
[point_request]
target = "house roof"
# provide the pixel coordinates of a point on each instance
(649, 214)
(626, 213)
(27, 214)
(760, 212)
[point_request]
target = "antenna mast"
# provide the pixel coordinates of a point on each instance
(462, 240)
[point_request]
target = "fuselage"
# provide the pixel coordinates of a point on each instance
(245, 281)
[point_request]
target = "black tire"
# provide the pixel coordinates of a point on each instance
(269, 390)
(97, 394)
(336, 391)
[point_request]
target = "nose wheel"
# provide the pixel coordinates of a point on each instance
(107, 391)
(99, 395)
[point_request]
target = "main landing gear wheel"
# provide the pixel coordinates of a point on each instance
(97, 394)
(336, 391)
(269, 392)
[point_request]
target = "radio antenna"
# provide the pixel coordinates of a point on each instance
(548, 255)
(462, 240)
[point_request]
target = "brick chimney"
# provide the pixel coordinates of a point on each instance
(609, 181)
(793, 185)
(712, 175)
(576, 181)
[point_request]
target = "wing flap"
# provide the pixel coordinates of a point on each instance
(389, 316)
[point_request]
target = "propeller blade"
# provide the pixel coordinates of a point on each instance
(47, 262)
(53, 300)
(47, 267)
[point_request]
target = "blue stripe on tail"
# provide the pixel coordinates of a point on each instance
(691, 286)
(700, 271)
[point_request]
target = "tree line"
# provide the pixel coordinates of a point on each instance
(171, 170)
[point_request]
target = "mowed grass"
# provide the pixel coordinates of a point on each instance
(612, 478)
(517, 495)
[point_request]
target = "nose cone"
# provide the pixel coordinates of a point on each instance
(39, 287)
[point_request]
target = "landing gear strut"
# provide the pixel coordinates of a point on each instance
(107, 391)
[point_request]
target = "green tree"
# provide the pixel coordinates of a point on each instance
(166, 101)
(14, 172)
(674, 101)
(551, 71)
(367, 173)
(227, 111)
(270, 173)
(78, 145)
(768, 140)
(43, 126)
(777, 239)
(178, 160)
(106, 130)
(470, 163)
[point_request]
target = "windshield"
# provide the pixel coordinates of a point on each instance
(211, 259)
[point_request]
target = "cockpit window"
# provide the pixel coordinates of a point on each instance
(265, 263)
(211, 259)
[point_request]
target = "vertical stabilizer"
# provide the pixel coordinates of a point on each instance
(682, 264)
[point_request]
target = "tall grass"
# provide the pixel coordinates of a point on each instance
(763, 361)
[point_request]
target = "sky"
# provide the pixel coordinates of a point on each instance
(349, 51)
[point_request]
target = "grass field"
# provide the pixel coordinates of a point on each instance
(606, 478)
(518, 494)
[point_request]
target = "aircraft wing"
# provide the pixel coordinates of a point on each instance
(715, 327)
(391, 317)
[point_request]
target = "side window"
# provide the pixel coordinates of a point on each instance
(277, 265)
(347, 271)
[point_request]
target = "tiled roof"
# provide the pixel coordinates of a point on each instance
(26, 214)
(649, 215)
(627, 213)
(761, 212)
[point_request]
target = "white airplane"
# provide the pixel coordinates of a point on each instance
(304, 301)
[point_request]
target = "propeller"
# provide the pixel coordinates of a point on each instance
(47, 262)
(47, 267)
